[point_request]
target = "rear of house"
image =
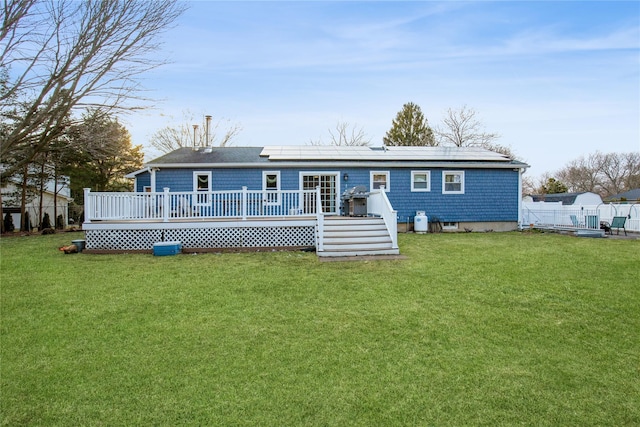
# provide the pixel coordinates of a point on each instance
(457, 188)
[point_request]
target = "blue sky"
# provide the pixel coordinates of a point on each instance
(555, 79)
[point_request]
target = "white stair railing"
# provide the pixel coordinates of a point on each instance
(378, 204)
(319, 221)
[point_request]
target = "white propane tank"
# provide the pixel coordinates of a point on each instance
(420, 222)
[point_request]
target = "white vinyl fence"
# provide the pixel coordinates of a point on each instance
(555, 215)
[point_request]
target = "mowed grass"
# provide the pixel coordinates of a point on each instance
(471, 329)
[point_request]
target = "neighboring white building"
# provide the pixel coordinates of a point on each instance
(12, 206)
(567, 199)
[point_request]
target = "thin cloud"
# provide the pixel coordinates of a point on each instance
(551, 77)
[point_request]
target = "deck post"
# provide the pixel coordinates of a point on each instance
(166, 205)
(301, 201)
(244, 203)
(320, 221)
(87, 206)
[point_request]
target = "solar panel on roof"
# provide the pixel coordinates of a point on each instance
(382, 154)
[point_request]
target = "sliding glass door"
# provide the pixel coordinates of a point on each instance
(328, 182)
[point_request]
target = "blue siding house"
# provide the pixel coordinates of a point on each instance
(457, 188)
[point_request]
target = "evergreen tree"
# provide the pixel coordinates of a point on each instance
(410, 128)
(104, 155)
(553, 186)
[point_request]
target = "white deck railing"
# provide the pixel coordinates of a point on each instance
(167, 205)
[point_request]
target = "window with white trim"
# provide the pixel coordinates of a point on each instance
(453, 182)
(271, 187)
(380, 179)
(420, 181)
(202, 184)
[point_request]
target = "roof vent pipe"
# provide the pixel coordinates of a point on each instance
(208, 127)
(195, 132)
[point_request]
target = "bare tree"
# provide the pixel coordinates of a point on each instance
(529, 186)
(462, 128)
(208, 132)
(502, 149)
(65, 54)
(583, 173)
(603, 173)
(345, 135)
(632, 161)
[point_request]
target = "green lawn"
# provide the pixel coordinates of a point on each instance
(473, 329)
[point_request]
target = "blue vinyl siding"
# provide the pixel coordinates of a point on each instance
(489, 194)
(142, 180)
(221, 179)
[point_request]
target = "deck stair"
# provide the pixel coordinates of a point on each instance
(356, 236)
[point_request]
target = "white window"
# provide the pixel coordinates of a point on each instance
(453, 182)
(271, 187)
(420, 181)
(202, 184)
(449, 225)
(380, 179)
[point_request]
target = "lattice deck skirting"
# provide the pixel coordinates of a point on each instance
(277, 235)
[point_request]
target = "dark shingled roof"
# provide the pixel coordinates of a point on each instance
(627, 195)
(212, 155)
(321, 155)
(565, 198)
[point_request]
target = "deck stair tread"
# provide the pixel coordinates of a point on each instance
(347, 227)
(346, 253)
(357, 246)
(354, 233)
(356, 236)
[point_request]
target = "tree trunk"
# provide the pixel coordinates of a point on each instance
(41, 198)
(2, 230)
(55, 194)
(23, 202)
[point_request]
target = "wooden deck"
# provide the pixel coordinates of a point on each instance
(123, 222)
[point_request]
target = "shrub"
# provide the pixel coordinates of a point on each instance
(46, 221)
(60, 222)
(8, 223)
